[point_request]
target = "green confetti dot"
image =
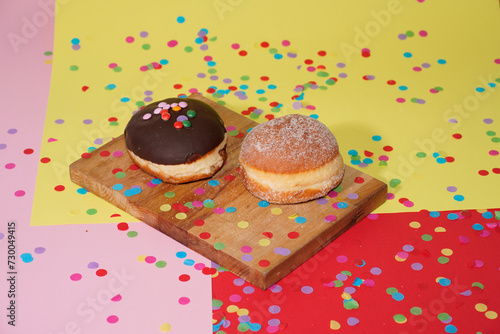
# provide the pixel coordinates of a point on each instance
(322, 74)
(410, 33)
(443, 259)
(217, 95)
(245, 78)
(91, 212)
(338, 283)
(212, 70)
(47, 53)
(308, 85)
(191, 113)
(495, 139)
(169, 194)
(416, 310)
(213, 39)
(399, 318)
(443, 316)
(262, 99)
(427, 237)
(490, 133)
(356, 157)
(73, 68)
(233, 133)
(254, 116)
(140, 104)
(421, 155)
(188, 49)
(146, 46)
(222, 103)
(338, 188)
(114, 123)
(243, 327)
(208, 203)
(273, 51)
(161, 264)
(439, 89)
(117, 69)
(186, 124)
(346, 272)
(132, 234)
(217, 303)
(351, 304)
(414, 100)
(120, 175)
(275, 109)
(219, 245)
(391, 291)
(330, 82)
(189, 205)
(394, 183)
(479, 285)
(382, 163)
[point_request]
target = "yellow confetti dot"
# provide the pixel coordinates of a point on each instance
(480, 307)
(415, 225)
(334, 325)
(439, 229)
(165, 327)
(481, 210)
(438, 278)
(399, 259)
(243, 224)
(491, 315)
(141, 258)
(215, 274)
(276, 211)
(74, 212)
(264, 242)
(232, 308)
(242, 311)
(346, 296)
(181, 215)
(446, 251)
(165, 207)
(48, 61)
(293, 216)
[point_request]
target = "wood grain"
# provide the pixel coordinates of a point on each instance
(221, 220)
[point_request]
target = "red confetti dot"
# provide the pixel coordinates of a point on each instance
(264, 44)
(133, 167)
(112, 119)
(322, 53)
(122, 226)
(243, 53)
(483, 172)
(211, 90)
(86, 155)
(391, 82)
(450, 159)
(59, 188)
(402, 200)
(496, 170)
(308, 61)
(240, 135)
(180, 207)
(293, 235)
(45, 160)
(28, 151)
(208, 271)
(178, 125)
(232, 88)
(268, 234)
(184, 278)
(116, 170)
(264, 78)
(198, 222)
(177, 86)
(359, 179)
(274, 104)
(388, 148)
(84, 88)
(269, 117)
(457, 136)
(246, 112)
(229, 177)
(321, 67)
(365, 54)
(104, 154)
(368, 153)
(264, 263)
(205, 235)
(101, 272)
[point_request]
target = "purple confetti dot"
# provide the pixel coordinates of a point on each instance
(201, 75)
(98, 141)
(291, 55)
(341, 277)
(39, 250)
(87, 121)
(3, 146)
(12, 131)
(276, 288)
(144, 34)
(59, 121)
(340, 65)
(238, 281)
(488, 120)
(248, 290)
(258, 111)
(148, 92)
(75, 47)
(322, 201)
(244, 318)
(306, 290)
(296, 105)
(350, 290)
(352, 321)
(203, 47)
(282, 251)
(274, 322)
(352, 196)
(227, 81)
(148, 99)
(417, 266)
(274, 309)
(2, 236)
(93, 265)
(214, 77)
(451, 189)
(408, 248)
(402, 37)
(426, 65)
(246, 257)
(343, 75)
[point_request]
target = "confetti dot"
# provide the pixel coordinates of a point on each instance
(491, 315)
(112, 319)
(75, 277)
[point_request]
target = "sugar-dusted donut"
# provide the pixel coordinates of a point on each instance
(177, 140)
(290, 159)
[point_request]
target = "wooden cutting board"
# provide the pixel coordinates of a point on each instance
(219, 218)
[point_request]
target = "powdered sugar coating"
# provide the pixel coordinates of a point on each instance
(289, 144)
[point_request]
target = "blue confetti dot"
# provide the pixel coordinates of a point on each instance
(181, 254)
(444, 281)
(125, 99)
(352, 152)
(75, 41)
(450, 329)
(278, 56)
(26, 257)
(198, 40)
(492, 84)
(231, 209)
(211, 63)
(441, 160)
(181, 19)
(300, 220)
(367, 161)
(243, 87)
(355, 162)
(263, 204)
(314, 116)
(480, 89)
(189, 262)
(260, 91)
(487, 215)
(435, 155)
(81, 191)
(254, 327)
(111, 86)
(342, 205)
(118, 187)
(213, 183)
(271, 86)
(477, 227)
(398, 296)
(452, 216)
(377, 138)
(458, 198)
(156, 181)
(434, 214)
(164, 62)
(403, 88)
(407, 55)
(441, 61)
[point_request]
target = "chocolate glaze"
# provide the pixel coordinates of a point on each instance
(158, 141)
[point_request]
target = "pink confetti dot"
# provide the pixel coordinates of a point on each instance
(497, 61)
(463, 239)
(150, 259)
(285, 43)
(235, 298)
(112, 319)
(369, 282)
(116, 298)
(422, 33)
(199, 191)
(207, 58)
(408, 204)
(390, 196)
(10, 165)
(143, 68)
(400, 100)
(20, 193)
(219, 211)
(493, 152)
(199, 266)
(417, 69)
(311, 68)
(117, 154)
(112, 65)
(341, 259)
(129, 39)
(235, 46)
(197, 204)
(184, 300)
(172, 43)
(402, 255)
(311, 107)
(75, 277)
